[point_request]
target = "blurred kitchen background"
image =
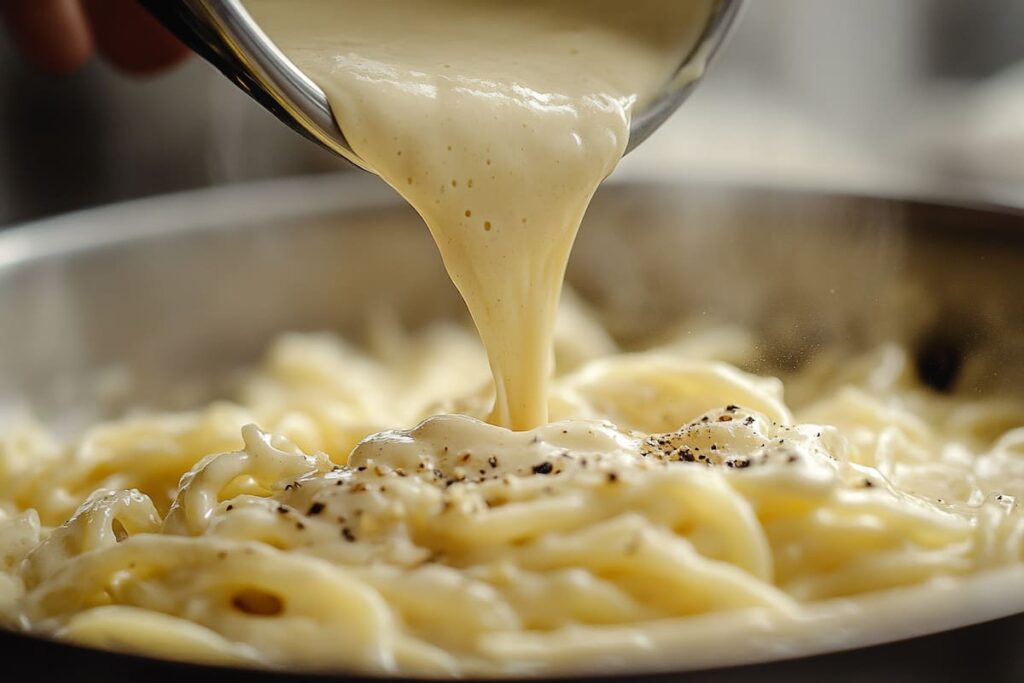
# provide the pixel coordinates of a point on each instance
(898, 96)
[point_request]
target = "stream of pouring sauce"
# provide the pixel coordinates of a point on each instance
(496, 120)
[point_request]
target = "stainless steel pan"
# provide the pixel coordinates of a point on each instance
(181, 290)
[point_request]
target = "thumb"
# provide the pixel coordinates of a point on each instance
(51, 33)
(130, 38)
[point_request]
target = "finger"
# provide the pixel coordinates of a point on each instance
(128, 37)
(51, 33)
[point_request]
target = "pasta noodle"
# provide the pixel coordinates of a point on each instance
(673, 496)
(650, 502)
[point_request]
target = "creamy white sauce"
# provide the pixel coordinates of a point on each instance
(496, 121)
(710, 524)
(675, 512)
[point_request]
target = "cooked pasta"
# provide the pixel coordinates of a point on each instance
(673, 496)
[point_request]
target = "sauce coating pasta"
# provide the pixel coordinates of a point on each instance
(671, 488)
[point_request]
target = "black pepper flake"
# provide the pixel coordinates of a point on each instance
(705, 419)
(714, 446)
(282, 509)
(749, 421)
(492, 461)
(466, 456)
(732, 408)
(229, 508)
(868, 483)
(347, 534)
(612, 477)
(300, 526)
(361, 468)
(543, 468)
(315, 509)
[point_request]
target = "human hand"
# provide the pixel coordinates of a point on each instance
(59, 36)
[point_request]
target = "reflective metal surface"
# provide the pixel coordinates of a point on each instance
(224, 33)
(192, 285)
(178, 292)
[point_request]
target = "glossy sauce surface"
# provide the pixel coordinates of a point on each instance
(496, 121)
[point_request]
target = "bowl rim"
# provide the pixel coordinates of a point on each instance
(226, 207)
